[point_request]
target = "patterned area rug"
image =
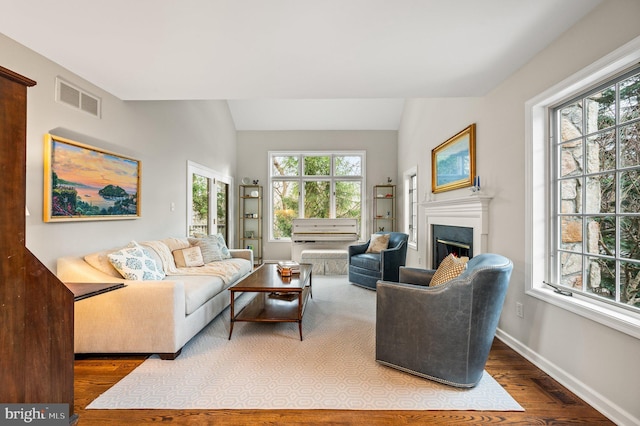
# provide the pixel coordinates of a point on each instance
(266, 366)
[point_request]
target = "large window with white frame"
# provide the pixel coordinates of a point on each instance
(314, 185)
(596, 188)
(583, 187)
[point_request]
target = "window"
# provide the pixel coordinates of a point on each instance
(207, 187)
(314, 185)
(583, 192)
(411, 206)
(596, 151)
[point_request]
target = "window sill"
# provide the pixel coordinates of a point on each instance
(624, 322)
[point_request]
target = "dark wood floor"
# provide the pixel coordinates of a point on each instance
(544, 400)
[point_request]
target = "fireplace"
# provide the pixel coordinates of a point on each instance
(470, 213)
(450, 239)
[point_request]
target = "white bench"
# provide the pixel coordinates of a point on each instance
(326, 262)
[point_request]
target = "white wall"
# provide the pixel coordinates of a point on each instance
(163, 135)
(381, 148)
(594, 361)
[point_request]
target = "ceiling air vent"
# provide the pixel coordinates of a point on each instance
(75, 97)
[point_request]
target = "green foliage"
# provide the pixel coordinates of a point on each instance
(317, 192)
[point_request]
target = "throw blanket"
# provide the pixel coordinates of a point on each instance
(223, 268)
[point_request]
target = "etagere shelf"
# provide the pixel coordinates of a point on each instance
(384, 208)
(250, 220)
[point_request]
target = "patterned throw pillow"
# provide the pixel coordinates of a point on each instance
(378, 243)
(209, 246)
(188, 257)
(449, 268)
(134, 262)
(226, 254)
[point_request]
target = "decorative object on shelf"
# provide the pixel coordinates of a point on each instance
(389, 180)
(254, 194)
(246, 181)
(453, 163)
(82, 182)
(476, 184)
(255, 181)
(384, 207)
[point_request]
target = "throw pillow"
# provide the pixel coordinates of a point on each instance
(188, 257)
(378, 243)
(209, 247)
(226, 254)
(135, 263)
(450, 267)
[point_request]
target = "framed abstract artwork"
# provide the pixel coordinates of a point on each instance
(82, 182)
(453, 162)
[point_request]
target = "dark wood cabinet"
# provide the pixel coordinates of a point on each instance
(36, 309)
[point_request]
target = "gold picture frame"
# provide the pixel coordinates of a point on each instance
(453, 162)
(82, 182)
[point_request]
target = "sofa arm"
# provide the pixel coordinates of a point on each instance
(144, 316)
(242, 253)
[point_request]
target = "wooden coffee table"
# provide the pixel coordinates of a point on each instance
(278, 299)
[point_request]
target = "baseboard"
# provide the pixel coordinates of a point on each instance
(605, 406)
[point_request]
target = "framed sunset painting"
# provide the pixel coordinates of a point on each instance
(82, 182)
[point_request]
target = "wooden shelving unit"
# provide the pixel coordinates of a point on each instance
(384, 208)
(250, 220)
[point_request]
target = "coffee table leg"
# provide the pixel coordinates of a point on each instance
(231, 321)
(300, 313)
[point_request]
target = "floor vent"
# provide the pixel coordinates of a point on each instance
(78, 98)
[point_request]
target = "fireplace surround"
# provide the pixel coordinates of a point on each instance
(471, 211)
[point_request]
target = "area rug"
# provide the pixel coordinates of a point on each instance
(266, 366)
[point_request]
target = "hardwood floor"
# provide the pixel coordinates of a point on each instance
(544, 400)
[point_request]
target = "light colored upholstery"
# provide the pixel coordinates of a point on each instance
(147, 316)
(327, 261)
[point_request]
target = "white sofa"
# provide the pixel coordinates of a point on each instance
(152, 316)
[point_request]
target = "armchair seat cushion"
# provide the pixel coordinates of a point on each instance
(367, 261)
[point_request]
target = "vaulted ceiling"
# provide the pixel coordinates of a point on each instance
(293, 64)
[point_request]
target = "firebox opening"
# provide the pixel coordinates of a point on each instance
(451, 239)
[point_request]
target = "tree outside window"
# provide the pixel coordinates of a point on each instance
(314, 185)
(598, 187)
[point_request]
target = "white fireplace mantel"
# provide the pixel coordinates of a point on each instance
(471, 211)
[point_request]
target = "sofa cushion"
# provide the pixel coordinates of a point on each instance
(450, 267)
(198, 290)
(378, 243)
(136, 263)
(188, 257)
(367, 261)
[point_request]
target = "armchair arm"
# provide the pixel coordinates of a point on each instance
(391, 259)
(358, 249)
(417, 276)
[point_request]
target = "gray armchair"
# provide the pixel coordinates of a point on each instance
(443, 333)
(365, 269)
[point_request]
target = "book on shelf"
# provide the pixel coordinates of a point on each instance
(283, 296)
